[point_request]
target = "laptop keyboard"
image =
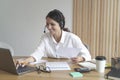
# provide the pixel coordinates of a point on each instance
(25, 69)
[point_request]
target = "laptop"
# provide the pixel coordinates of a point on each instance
(7, 63)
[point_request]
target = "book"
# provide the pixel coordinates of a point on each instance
(113, 78)
(113, 74)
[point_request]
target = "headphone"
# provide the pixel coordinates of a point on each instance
(57, 16)
(62, 22)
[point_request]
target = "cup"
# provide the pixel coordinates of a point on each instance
(100, 63)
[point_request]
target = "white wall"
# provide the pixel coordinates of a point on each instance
(22, 22)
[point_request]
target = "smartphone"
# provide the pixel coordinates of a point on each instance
(82, 69)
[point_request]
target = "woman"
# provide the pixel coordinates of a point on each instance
(57, 37)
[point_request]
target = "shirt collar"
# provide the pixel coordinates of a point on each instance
(62, 38)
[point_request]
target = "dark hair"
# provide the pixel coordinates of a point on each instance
(58, 17)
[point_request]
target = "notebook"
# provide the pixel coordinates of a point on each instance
(87, 64)
(7, 63)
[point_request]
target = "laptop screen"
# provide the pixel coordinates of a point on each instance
(6, 61)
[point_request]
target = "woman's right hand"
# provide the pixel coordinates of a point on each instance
(25, 62)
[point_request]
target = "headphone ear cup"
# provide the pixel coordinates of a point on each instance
(62, 25)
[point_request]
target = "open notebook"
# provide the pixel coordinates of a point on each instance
(90, 65)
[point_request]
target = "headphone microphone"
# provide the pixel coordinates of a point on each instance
(44, 29)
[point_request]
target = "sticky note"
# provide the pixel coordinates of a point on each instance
(76, 74)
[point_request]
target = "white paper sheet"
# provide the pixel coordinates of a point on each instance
(58, 65)
(68, 52)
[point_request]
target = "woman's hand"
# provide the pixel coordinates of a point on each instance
(25, 62)
(77, 59)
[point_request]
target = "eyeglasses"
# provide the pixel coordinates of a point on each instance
(42, 68)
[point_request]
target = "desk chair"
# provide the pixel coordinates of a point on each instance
(6, 46)
(86, 46)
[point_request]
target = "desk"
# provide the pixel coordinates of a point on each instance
(54, 75)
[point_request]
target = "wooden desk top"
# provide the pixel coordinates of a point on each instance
(54, 75)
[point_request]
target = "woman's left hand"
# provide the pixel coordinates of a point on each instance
(77, 59)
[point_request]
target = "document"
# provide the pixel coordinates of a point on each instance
(68, 52)
(58, 65)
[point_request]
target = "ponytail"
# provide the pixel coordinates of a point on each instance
(66, 29)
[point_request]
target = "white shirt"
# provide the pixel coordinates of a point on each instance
(48, 46)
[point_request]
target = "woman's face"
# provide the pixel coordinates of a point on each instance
(52, 26)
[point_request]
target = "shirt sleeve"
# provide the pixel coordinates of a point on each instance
(39, 52)
(84, 52)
